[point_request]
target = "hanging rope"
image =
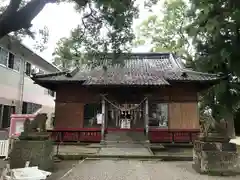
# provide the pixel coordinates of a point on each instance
(123, 109)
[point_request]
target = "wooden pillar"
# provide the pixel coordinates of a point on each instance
(103, 118)
(146, 117)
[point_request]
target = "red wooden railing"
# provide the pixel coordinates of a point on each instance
(125, 130)
(76, 135)
(94, 135)
(173, 135)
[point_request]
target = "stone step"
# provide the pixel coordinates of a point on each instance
(125, 136)
(125, 145)
(124, 142)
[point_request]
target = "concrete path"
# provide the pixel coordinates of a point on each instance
(125, 149)
(136, 170)
(74, 150)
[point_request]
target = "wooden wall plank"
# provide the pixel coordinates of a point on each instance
(183, 115)
(69, 115)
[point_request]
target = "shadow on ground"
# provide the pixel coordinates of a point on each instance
(61, 168)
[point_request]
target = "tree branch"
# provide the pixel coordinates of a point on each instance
(14, 19)
(12, 8)
(30, 11)
(83, 22)
(182, 35)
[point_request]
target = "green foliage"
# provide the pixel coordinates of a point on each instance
(215, 31)
(166, 32)
(211, 28)
(98, 16)
(106, 27)
(216, 36)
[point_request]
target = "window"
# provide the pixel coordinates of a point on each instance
(51, 93)
(30, 108)
(41, 71)
(11, 60)
(158, 115)
(24, 108)
(6, 116)
(28, 68)
(34, 70)
(90, 115)
(3, 57)
(1, 114)
(17, 63)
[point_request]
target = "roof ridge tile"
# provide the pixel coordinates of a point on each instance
(72, 73)
(49, 75)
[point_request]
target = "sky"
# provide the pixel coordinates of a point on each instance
(61, 19)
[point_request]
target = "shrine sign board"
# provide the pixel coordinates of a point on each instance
(17, 123)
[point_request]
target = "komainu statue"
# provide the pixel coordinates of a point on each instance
(35, 129)
(209, 127)
(34, 145)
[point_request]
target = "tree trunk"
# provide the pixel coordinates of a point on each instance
(15, 18)
(230, 126)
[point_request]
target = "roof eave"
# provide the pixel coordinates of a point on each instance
(53, 84)
(126, 85)
(201, 84)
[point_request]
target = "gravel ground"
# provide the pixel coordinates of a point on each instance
(136, 170)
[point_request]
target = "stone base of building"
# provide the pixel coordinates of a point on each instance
(215, 158)
(102, 142)
(213, 137)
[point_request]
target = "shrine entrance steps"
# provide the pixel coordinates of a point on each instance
(125, 143)
(120, 143)
(125, 137)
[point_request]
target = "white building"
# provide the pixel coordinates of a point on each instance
(16, 62)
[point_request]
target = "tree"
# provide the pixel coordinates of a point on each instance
(65, 59)
(18, 14)
(104, 28)
(116, 16)
(166, 31)
(216, 36)
(212, 30)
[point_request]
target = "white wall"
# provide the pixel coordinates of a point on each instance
(9, 86)
(18, 49)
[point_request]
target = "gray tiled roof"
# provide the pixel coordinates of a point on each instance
(139, 69)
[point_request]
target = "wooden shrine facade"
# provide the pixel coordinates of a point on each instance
(152, 93)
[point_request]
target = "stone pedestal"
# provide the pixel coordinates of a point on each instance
(213, 137)
(215, 158)
(39, 153)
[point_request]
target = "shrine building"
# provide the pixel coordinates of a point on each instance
(149, 93)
